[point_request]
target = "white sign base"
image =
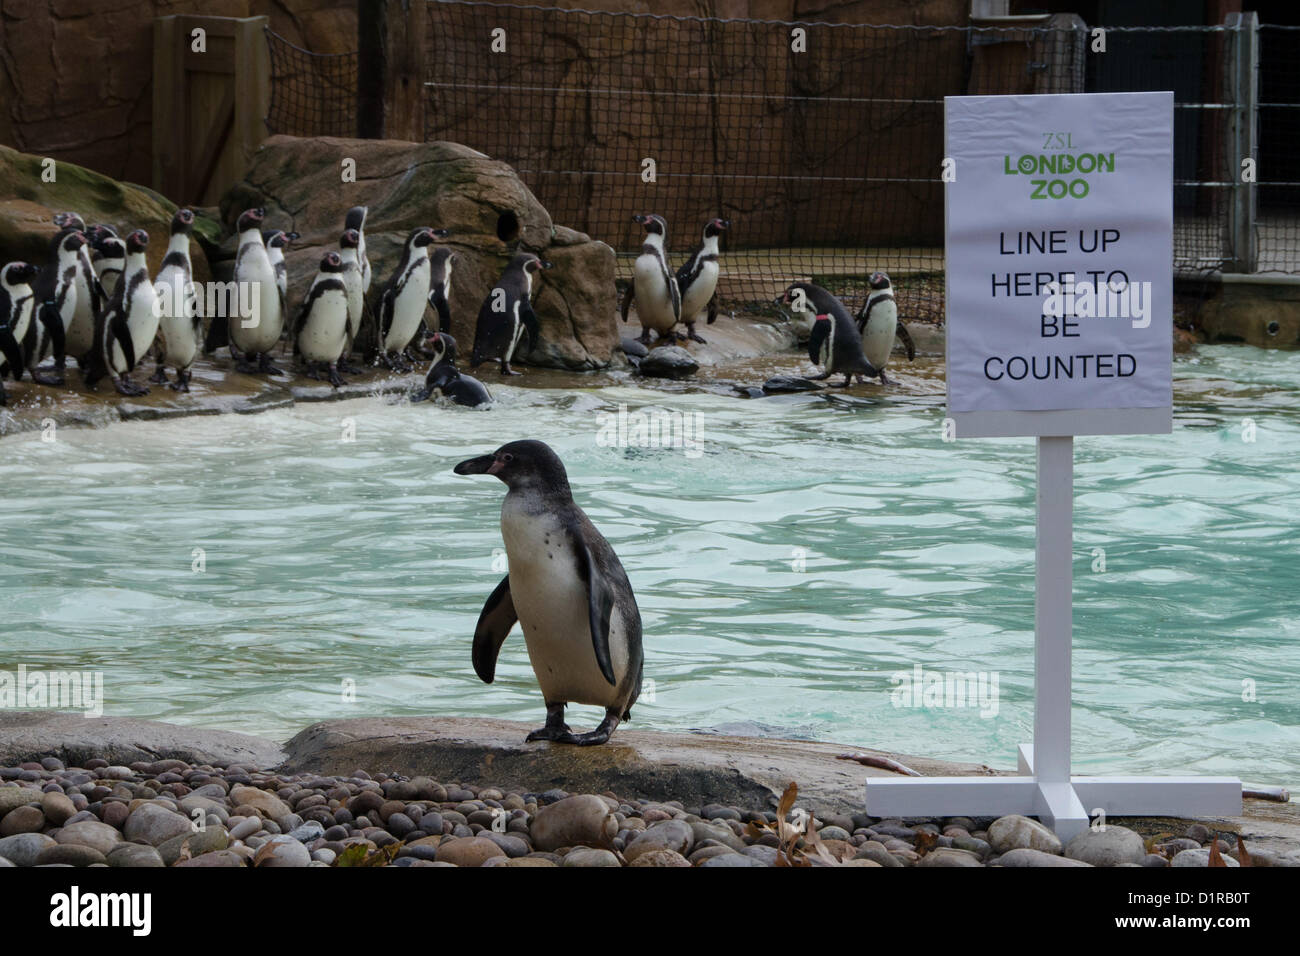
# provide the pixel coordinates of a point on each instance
(1045, 788)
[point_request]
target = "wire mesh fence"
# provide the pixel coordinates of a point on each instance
(312, 94)
(821, 143)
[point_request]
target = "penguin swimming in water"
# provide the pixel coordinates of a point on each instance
(354, 287)
(697, 280)
(321, 331)
(275, 240)
(180, 319)
(568, 591)
(653, 285)
(506, 315)
(404, 298)
(448, 380)
(79, 335)
(356, 219)
(17, 308)
(256, 335)
(834, 342)
(55, 292)
(129, 324)
(108, 256)
(879, 325)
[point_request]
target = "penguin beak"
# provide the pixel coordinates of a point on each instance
(639, 218)
(440, 233)
(547, 265)
(482, 465)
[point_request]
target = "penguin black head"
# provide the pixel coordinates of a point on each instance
(138, 241)
(878, 280)
(522, 465)
(250, 219)
(331, 262)
(182, 222)
(67, 241)
(424, 236)
(655, 225)
(443, 347)
(278, 238)
(356, 218)
(18, 273)
(716, 227)
(350, 239)
(533, 264)
(69, 220)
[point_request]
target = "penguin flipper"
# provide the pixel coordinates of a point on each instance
(600, 605)
(529, 318)
(675, 293)
(494, 624)
(117, 329)
(907, 341)
(713, 307)
(627, 298)
(12, 353)
(439, 302)
(820, 332)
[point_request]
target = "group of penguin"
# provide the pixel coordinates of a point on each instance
(839, 342)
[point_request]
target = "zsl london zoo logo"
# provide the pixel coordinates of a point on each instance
(1058, 164)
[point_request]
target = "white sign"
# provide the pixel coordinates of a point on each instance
(1060, 263)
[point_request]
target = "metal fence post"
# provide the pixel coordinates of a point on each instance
(1243, 93)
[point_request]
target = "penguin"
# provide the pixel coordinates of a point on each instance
(17, 308)
(697, 280)
(256, 335)
(834, 342)
(275, 240)
(108, 256)
(653, 285)
(404, 299)
(507, 314)
(55, 292)
(321, 329)
(180, 319)
(568, 591)
(91, 299)
(129, 324)
(879, 325)
(448, 380)
(356, 219)
(440, 262)
(354, 286)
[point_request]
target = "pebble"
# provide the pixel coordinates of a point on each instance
(71, 854)
(285, 851)
(134, 855)
(1024, 856)
(22, 849)
(1111, 846)
(1017, 832)
(468, 851)
(28, 819)
(100, 836)
(1198, 857)
(590, 856)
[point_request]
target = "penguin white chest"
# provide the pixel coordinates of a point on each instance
(177, 305)
(551, 601)
(654, 304)
(879, 331)
(141, 323)
(261, 296)
(408, 307)
(324, 335)
(699, 292)
(352, 283)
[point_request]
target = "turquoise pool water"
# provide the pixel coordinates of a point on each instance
(815, 548)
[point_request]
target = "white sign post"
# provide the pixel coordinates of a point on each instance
(1059, 232)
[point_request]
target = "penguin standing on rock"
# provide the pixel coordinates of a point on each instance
(834, 342)
(55, 291)
(79, 335)
(697, 280)
(356, 219)
(129, 324)
(653, 285)
(567, 590)
(180, 319)
(256, 335)
(17, 307)
(506, 315)
(879, 325)
(447, 380)
(321, 331)
(354, 287)
(404, 299)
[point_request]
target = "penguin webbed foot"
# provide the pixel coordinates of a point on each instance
(128, 388)
(883, 380)
(598, 736)
(555, 728)
(159, 377)
(695, 336)
(644, 337)
(507, 370)
(347, 368)
(182, 383)
(334, 378)
(267, 367)
(47, 378)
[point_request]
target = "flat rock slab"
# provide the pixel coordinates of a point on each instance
(693, 768)
(74, 739)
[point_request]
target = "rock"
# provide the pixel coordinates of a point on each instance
(1016, 832)
(1154, 860)
(285, 851)
(11, 797)
(668, 361)
(268, 804)
(1110, 846)
(786, 384)
(28, 819)
(525, 861)
(946, 856)
(1198, 832)
(246, 828)
(219, 858)
(199, 841)
(468, 851)
(1024, 856)
(154, 825)
(510, 845)
(308, 832)
(590, 856)
(22, 849)
(584, 819)
(672, 835)
(731, 860)
(1178, 844)
(58, 808)
(90, 833)
(701, 831)
(875, 852)
(978, 847)
(764, 854)
(71, 854)
(481, 200)
(659, 856)
(114, 814)
(134, 855)
(1198, 857)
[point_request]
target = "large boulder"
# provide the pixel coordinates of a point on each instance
(28, 205)
(487, 208)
